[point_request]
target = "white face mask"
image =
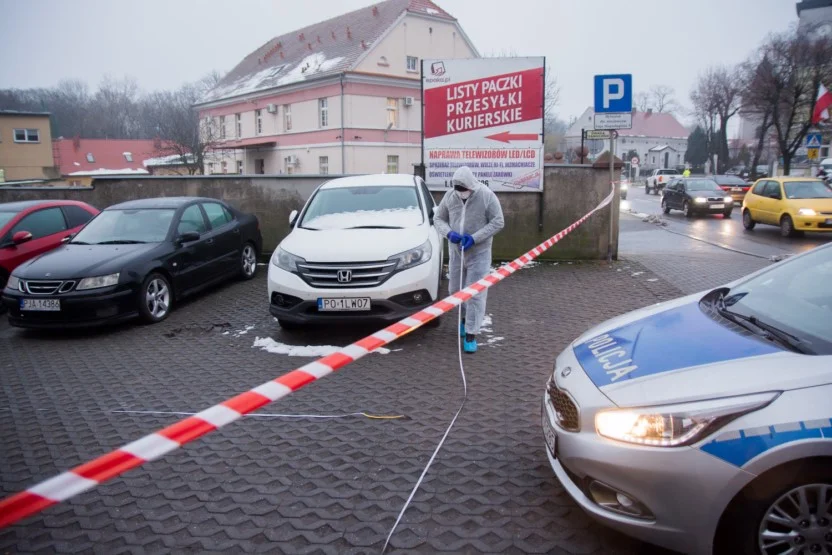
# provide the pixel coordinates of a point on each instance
(463, 194)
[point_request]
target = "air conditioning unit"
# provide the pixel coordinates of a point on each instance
(271, 108)
(292, 160)
(408, 101)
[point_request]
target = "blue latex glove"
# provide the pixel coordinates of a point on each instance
(467, 242)
(454, 237)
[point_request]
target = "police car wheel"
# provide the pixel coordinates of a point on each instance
(787, 511)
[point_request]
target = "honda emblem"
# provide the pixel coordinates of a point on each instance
(344, 276)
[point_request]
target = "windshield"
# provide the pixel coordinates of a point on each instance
(807, 189)
(384, 206)
(145, 225)
(701, 185)
(729, 180)
(795, 296)
(6, 217)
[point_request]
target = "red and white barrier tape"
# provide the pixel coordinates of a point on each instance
(153, 446)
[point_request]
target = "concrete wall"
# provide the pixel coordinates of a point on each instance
(569, 193)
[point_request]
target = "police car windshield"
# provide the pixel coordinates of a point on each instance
(795, 296)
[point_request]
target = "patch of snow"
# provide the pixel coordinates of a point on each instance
(103, 171)
(76, 164)
(398, 217)
(247, 329)
(653, 279)
(637, 274)
(487, 322)
(493, 340)
(431, 11)
(270, 345)
(172, 160)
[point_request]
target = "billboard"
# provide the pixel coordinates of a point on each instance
(487, 114)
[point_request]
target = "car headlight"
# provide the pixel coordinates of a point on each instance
(728, 199)
(700, 200)
(13, 283)
(807, 212)
(623, 186)
(286, 260)
(413, 257)
(98, 281)
(676, 425)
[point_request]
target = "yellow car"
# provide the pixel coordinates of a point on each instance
(796, 204)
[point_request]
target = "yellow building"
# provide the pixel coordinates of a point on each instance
(26, 146)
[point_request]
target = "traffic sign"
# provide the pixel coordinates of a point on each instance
(812, 154)
(595, 134)
(634, 161)
(814, 140)
(613, 93)
(614, 120)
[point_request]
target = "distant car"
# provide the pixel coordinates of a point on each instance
(134, 259)
(363, 248)
(30, 228)
(761, 171)
(623, 187)
(657, 180)
(695, 196)
(702, 424)
(796, 204)
(734, 185)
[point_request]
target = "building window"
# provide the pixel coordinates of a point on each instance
(128, 156)
(222, 127)
(392, 164)
(323, 112)
(260, 166)
(26, 136)
(239, 166)
(258, 122)
(392, 113)
(654, 159)
(90, 158)
(289, 163)
(412, 63)
(238, 121)
(287, 117)
(224, 166)
(323, 165)
(210, 168)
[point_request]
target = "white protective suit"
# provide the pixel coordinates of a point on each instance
(483, 219)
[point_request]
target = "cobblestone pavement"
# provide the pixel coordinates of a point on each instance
(686, 264)
(276, 483)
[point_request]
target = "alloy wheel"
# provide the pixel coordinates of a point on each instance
(800, 521)
(249, 261)
(157, 298)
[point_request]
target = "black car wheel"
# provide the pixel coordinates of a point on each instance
(687, 209)
(4, 278)
(248, 261)
(747, 221)
(787, 226)
(646, 189)
(665, 207)
(727, 213)
(155, 298)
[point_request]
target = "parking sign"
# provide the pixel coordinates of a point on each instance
(613, 93)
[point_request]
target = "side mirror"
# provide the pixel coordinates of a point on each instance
(68, 238)
(293, 216)
(21, 237)
(189, 237)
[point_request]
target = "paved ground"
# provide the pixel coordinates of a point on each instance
(275, 483)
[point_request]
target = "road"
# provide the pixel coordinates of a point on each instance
(763, 241)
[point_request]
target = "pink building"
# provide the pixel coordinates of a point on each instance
(340, 96)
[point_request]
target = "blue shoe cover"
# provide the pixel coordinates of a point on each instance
(470, 346)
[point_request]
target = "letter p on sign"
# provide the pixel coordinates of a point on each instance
(613, 93)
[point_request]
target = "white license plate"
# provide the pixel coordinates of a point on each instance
(715, 206)
(347, 304)
(549, 433)
(737, 189)
(45, 305)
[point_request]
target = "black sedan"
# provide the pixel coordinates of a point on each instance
(134, 259)
(696, 195)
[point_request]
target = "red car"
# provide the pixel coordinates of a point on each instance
(30, 228)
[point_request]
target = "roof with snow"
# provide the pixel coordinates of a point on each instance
(660, 148)
(172, 160)
(113, 156)
(318, 50)
(645, 124)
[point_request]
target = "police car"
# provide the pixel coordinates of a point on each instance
(705, 423)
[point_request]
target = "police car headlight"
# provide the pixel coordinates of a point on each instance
(676, 425)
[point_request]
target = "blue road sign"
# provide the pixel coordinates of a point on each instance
(613, 93)
(813, 140)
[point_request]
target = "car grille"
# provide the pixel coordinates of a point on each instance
(43, 287)
(346, 274)
(566, 411)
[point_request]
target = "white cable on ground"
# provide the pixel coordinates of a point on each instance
(460, 339)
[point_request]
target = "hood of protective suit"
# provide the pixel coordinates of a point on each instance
(466, 176)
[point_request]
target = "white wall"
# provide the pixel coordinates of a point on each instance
(371, 112)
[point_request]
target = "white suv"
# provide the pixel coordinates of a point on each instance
(362, 248)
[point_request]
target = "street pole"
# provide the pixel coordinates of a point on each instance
(583, 134)
(612, 184)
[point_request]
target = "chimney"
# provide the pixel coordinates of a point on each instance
(375, 11)
(302, 37)
(363, 45)
(649, 110)
(309, 45)
(333, 35)
(349, 33)
(319, 39)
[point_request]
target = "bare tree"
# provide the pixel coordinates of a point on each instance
(716, 99)
(785, 82)
(642, 102)
(662, 98)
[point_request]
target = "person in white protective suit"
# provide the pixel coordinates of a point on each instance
(469, 216)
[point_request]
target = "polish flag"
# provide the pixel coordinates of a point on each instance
(822, 105)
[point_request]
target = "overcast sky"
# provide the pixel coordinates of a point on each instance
(164, 43)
